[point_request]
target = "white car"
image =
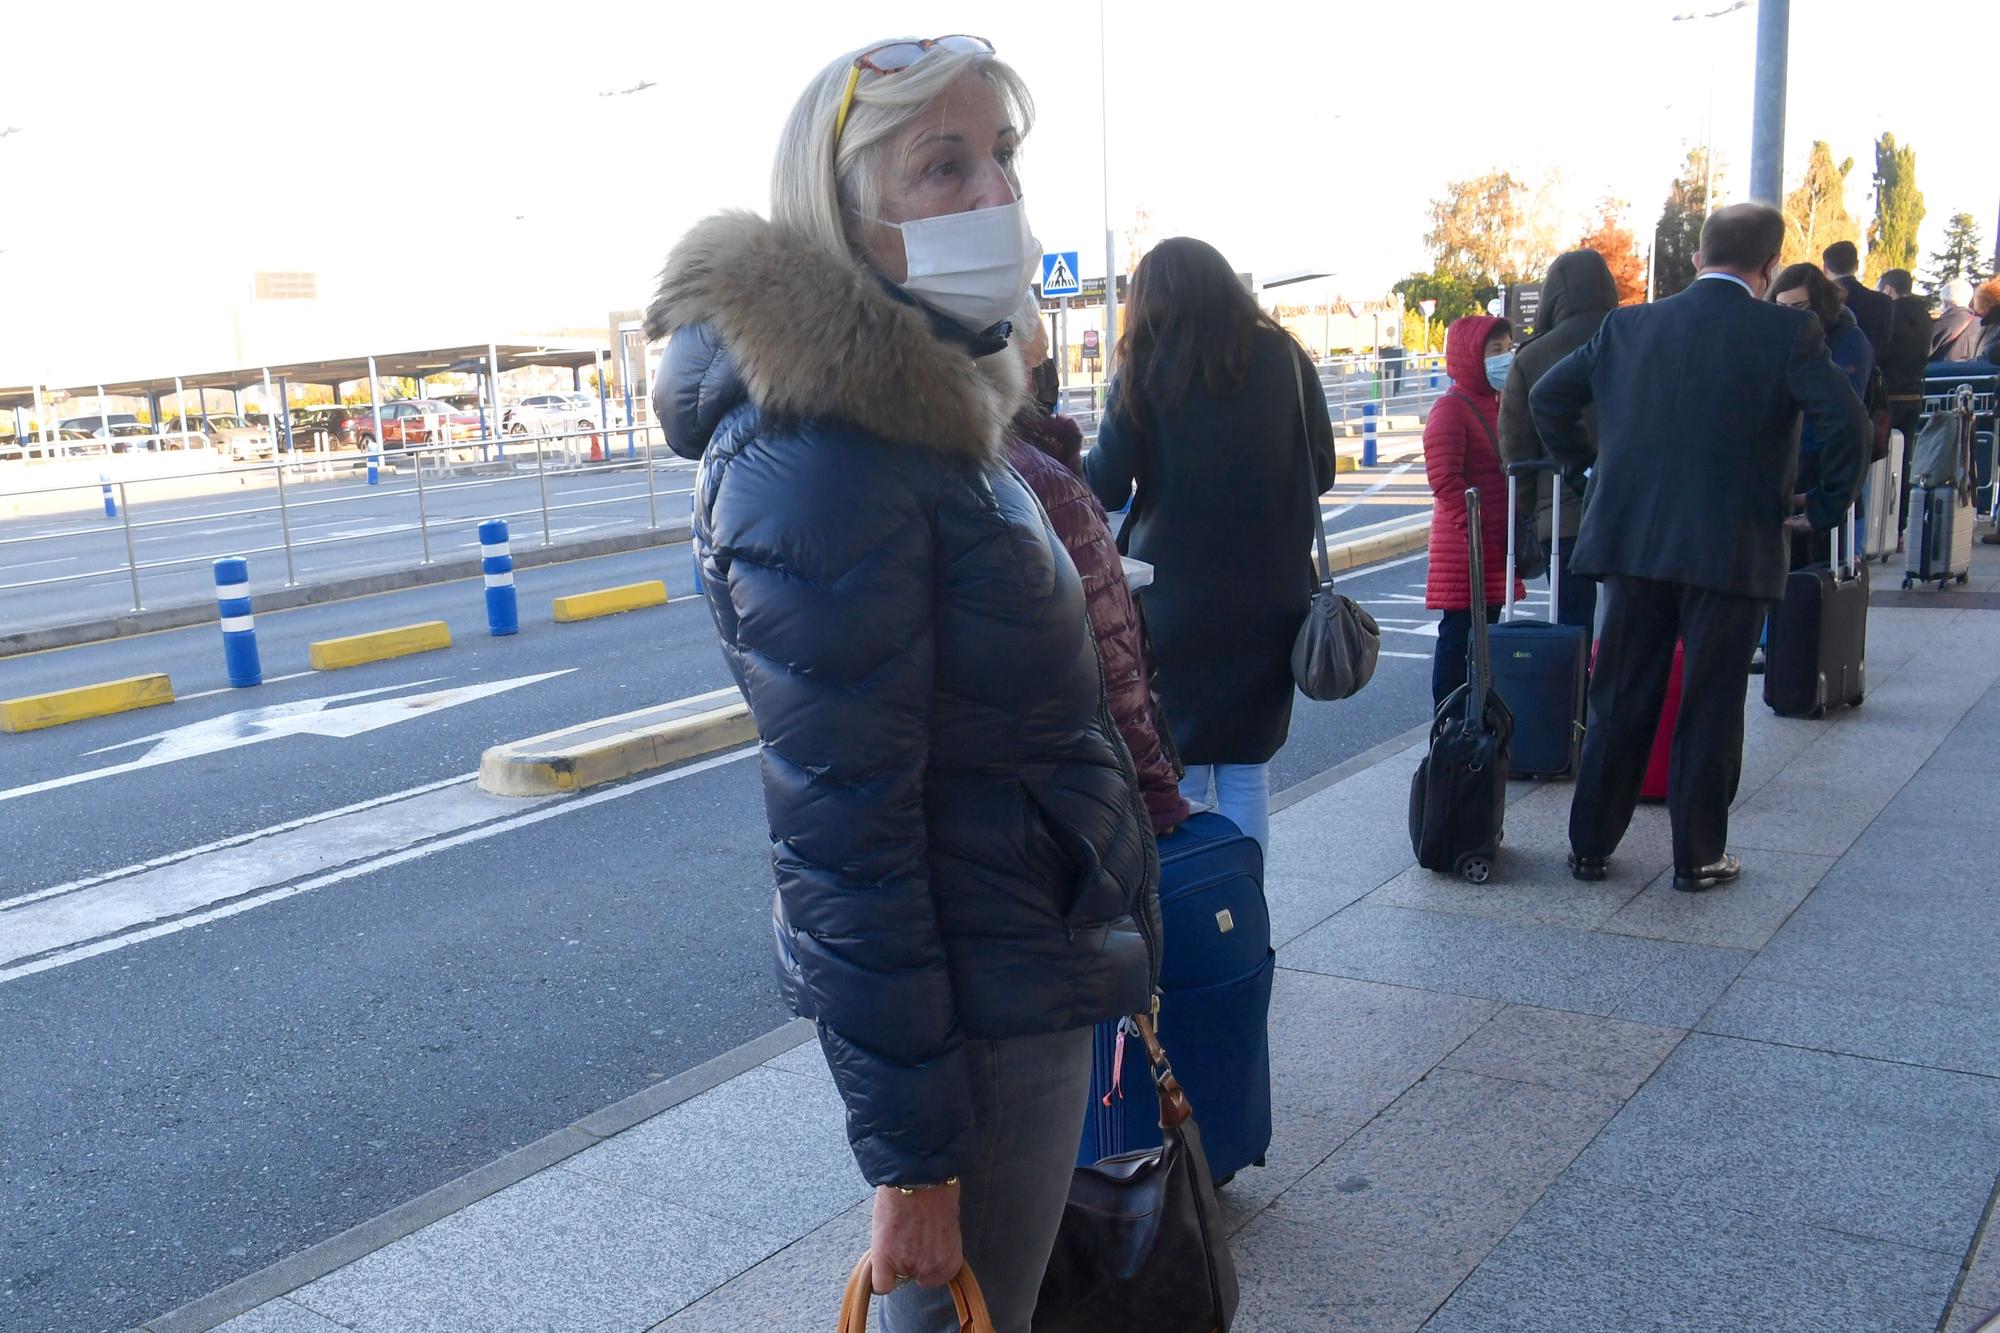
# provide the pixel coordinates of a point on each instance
(551, 414)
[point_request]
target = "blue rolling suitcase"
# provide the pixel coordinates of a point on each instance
(1215, 1004)
(1540, 668)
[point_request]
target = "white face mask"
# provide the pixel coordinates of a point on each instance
(976, 266)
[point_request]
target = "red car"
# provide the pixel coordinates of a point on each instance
(415, 421)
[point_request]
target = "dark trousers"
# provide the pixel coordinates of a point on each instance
(1577, 598)
(1448, 662)
(1641, 620)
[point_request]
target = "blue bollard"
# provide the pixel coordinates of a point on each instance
(1368, 443)
(110, 504)
(496, 559)
(239, 631)
(374, 462)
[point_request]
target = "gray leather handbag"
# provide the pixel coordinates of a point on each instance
(1335, 652)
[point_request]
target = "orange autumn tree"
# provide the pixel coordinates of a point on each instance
(1611, 238)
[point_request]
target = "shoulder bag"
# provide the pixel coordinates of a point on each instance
(1142, 1247)
(1337, 647)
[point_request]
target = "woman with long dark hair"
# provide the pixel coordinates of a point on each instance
(1807, 286)
(1206, 435)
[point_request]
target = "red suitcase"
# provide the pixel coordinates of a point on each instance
(1654, 788)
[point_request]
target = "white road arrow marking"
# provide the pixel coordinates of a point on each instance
(309, 717)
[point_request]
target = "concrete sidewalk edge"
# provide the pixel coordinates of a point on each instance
(393, 579)
(316, 1261)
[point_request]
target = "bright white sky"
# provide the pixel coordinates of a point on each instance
(452, 173)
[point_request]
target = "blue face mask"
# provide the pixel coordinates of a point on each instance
(1496, 370)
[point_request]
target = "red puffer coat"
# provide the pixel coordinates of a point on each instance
(1458, 452)
(1045, 450)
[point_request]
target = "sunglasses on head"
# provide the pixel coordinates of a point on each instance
(894, 58)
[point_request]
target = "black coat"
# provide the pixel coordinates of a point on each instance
(1873, 311)
(956, 828)
(1698, 401)
(1955, 335)
(1909, 347)
(1576, 296)
(1223, 512)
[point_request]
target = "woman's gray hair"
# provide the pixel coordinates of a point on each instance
(828, 198)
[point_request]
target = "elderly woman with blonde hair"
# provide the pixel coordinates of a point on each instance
(966, 877)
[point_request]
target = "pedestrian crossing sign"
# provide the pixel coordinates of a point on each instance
(1059, 274)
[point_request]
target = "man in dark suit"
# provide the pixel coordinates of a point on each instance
(1873, 311)
(1698, 400)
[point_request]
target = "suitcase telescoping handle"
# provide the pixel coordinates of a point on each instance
(1534, 467)
(1476, 661)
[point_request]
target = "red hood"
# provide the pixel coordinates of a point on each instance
(1465, 354)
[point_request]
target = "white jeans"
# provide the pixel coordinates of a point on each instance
(1242, 794)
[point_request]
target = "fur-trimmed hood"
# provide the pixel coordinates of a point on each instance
(758, 311)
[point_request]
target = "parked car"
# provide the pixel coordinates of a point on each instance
(230, 435)
(551, 414)
(342, 424)
(417, 421)
(92, 424)
(128, 436)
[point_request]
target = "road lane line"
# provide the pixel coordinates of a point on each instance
(235, 840)
(554, 807)
(1375, 489)
(231, 689)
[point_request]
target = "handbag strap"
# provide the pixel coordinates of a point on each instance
(970, 1301)
(1175, 1109)
(1325, 570)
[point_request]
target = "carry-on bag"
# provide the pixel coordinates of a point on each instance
(1458, 795)
(1142, 1247)
(1541, 668)
(1216, 968)
(1883, 506)
(1938, 545)
(1817, 656)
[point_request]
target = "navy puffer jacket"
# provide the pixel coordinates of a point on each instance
(959, 844)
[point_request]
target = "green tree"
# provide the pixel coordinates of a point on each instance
(1456, 297)
(1962, 257)
(1677, 235)
(1899, 210)
(1816, 212)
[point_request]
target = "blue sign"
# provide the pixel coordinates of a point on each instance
(1059, 274)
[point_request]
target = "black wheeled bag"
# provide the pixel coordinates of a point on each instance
(1818, 650)
(1458, 795)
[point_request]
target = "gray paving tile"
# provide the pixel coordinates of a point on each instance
(1298, 902)
(1549, 966)
(1452, 1166)
(280, 1316)
(1311, 1279)
(1882, 1151)
(798, 1287)
(767, 1149)
(1598, 1258)
(1741, 916)
(1819, 817)
(1560, 1049)
(1299, 1142)
(1881, 1027)
(1331, 848)
(1679, 989)
(555, 1251)
(1343, 1049)
(1966, 1318)
(805, 1059)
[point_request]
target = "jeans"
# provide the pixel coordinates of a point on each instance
(1448, 662)
(1242, 795)
(1029, 1096)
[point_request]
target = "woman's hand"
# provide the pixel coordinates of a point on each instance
(916, 1236)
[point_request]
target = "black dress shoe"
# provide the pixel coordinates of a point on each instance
(1590, 869)
(1724, 871)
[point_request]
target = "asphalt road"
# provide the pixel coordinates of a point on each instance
(347, 1007)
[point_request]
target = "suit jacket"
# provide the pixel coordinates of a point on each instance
(1698, 409)
(1873, 311)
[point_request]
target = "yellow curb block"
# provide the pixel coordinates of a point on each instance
(379, 645)
(1396, 540)
(609, 601)
(1345, 463)
(617, 747)
(32, 712)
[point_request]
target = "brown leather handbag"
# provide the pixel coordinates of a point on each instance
(965, 1294)
(1142, 1249)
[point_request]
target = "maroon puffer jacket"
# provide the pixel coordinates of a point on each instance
(1043, 450)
